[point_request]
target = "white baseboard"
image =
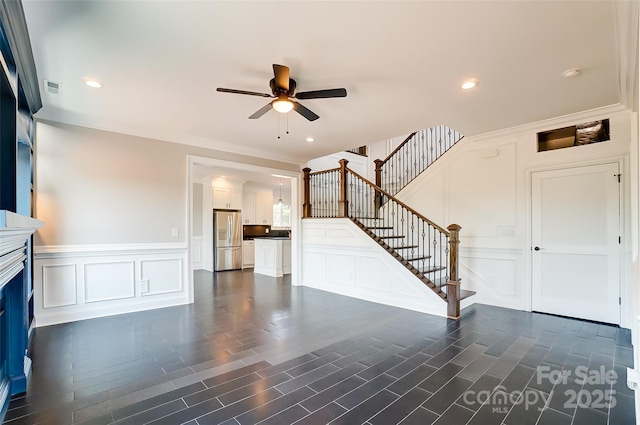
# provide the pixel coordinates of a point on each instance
(54, 318)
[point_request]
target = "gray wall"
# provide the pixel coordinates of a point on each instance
(99, 187)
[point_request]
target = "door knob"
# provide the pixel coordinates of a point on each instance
(537, 248)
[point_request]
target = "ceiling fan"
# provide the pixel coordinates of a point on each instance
(283, 90)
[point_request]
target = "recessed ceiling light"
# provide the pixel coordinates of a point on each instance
(93, 84)
(469, 84)
(573, 72)
(310, 139)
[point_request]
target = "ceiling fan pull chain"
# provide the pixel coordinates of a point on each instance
(287, 123)
(278, 127)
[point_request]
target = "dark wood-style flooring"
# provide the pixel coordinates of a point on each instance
(254, 350)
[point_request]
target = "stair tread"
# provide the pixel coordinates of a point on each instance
(420, 257)
(404, 247)
(381, 227)
(432, 269)
(391, 237)
(466, 294)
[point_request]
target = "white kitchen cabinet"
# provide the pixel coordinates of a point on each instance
(264, 207)
(248, 254)
(257, 207)
(226, 198)
(248, 207)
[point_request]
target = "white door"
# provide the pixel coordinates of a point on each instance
(575, 242)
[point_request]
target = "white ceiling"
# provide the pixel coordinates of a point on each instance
(238, 177)
(402, 64)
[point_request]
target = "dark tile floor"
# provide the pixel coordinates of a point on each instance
(254, 350)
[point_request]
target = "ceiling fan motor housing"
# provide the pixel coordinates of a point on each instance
(279, 90)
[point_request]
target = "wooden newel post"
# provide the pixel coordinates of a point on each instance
(379, 163)
(378, 195)
(343, 204)
(453, 285)
(306, 205)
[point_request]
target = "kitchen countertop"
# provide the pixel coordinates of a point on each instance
(280, 238)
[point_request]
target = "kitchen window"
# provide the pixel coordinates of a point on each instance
(281, 215)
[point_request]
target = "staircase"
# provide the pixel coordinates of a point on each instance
(429, 251)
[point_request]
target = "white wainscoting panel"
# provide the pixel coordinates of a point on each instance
(493, 274)
(163, 276)
(314, 264)
(109, 281)
(339, 257)
(82, 282)
(60, 285)
(374, 274)
(342, 268)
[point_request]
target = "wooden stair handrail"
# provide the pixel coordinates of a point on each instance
(317, 173)
(402, 204)
(399, 147)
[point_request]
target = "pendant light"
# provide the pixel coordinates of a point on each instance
(280, 200)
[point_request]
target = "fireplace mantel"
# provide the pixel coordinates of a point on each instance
(15, 230)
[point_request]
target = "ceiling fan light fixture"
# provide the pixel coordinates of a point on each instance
(282, 105)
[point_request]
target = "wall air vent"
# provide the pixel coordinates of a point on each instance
(52, 87)
(577, 135)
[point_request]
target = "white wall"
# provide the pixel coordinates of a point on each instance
(484, 185)
(110, 202)
(362, 165)
(358, 163)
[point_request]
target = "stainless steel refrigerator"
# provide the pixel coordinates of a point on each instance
(227, 240)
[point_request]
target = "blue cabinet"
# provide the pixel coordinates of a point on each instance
(16, 226)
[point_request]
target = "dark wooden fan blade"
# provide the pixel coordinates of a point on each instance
(305, 112)
(250, 93)
(322, 94)
(281, 73)
(260, 112)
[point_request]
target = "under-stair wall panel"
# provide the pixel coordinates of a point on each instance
(339, 257)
